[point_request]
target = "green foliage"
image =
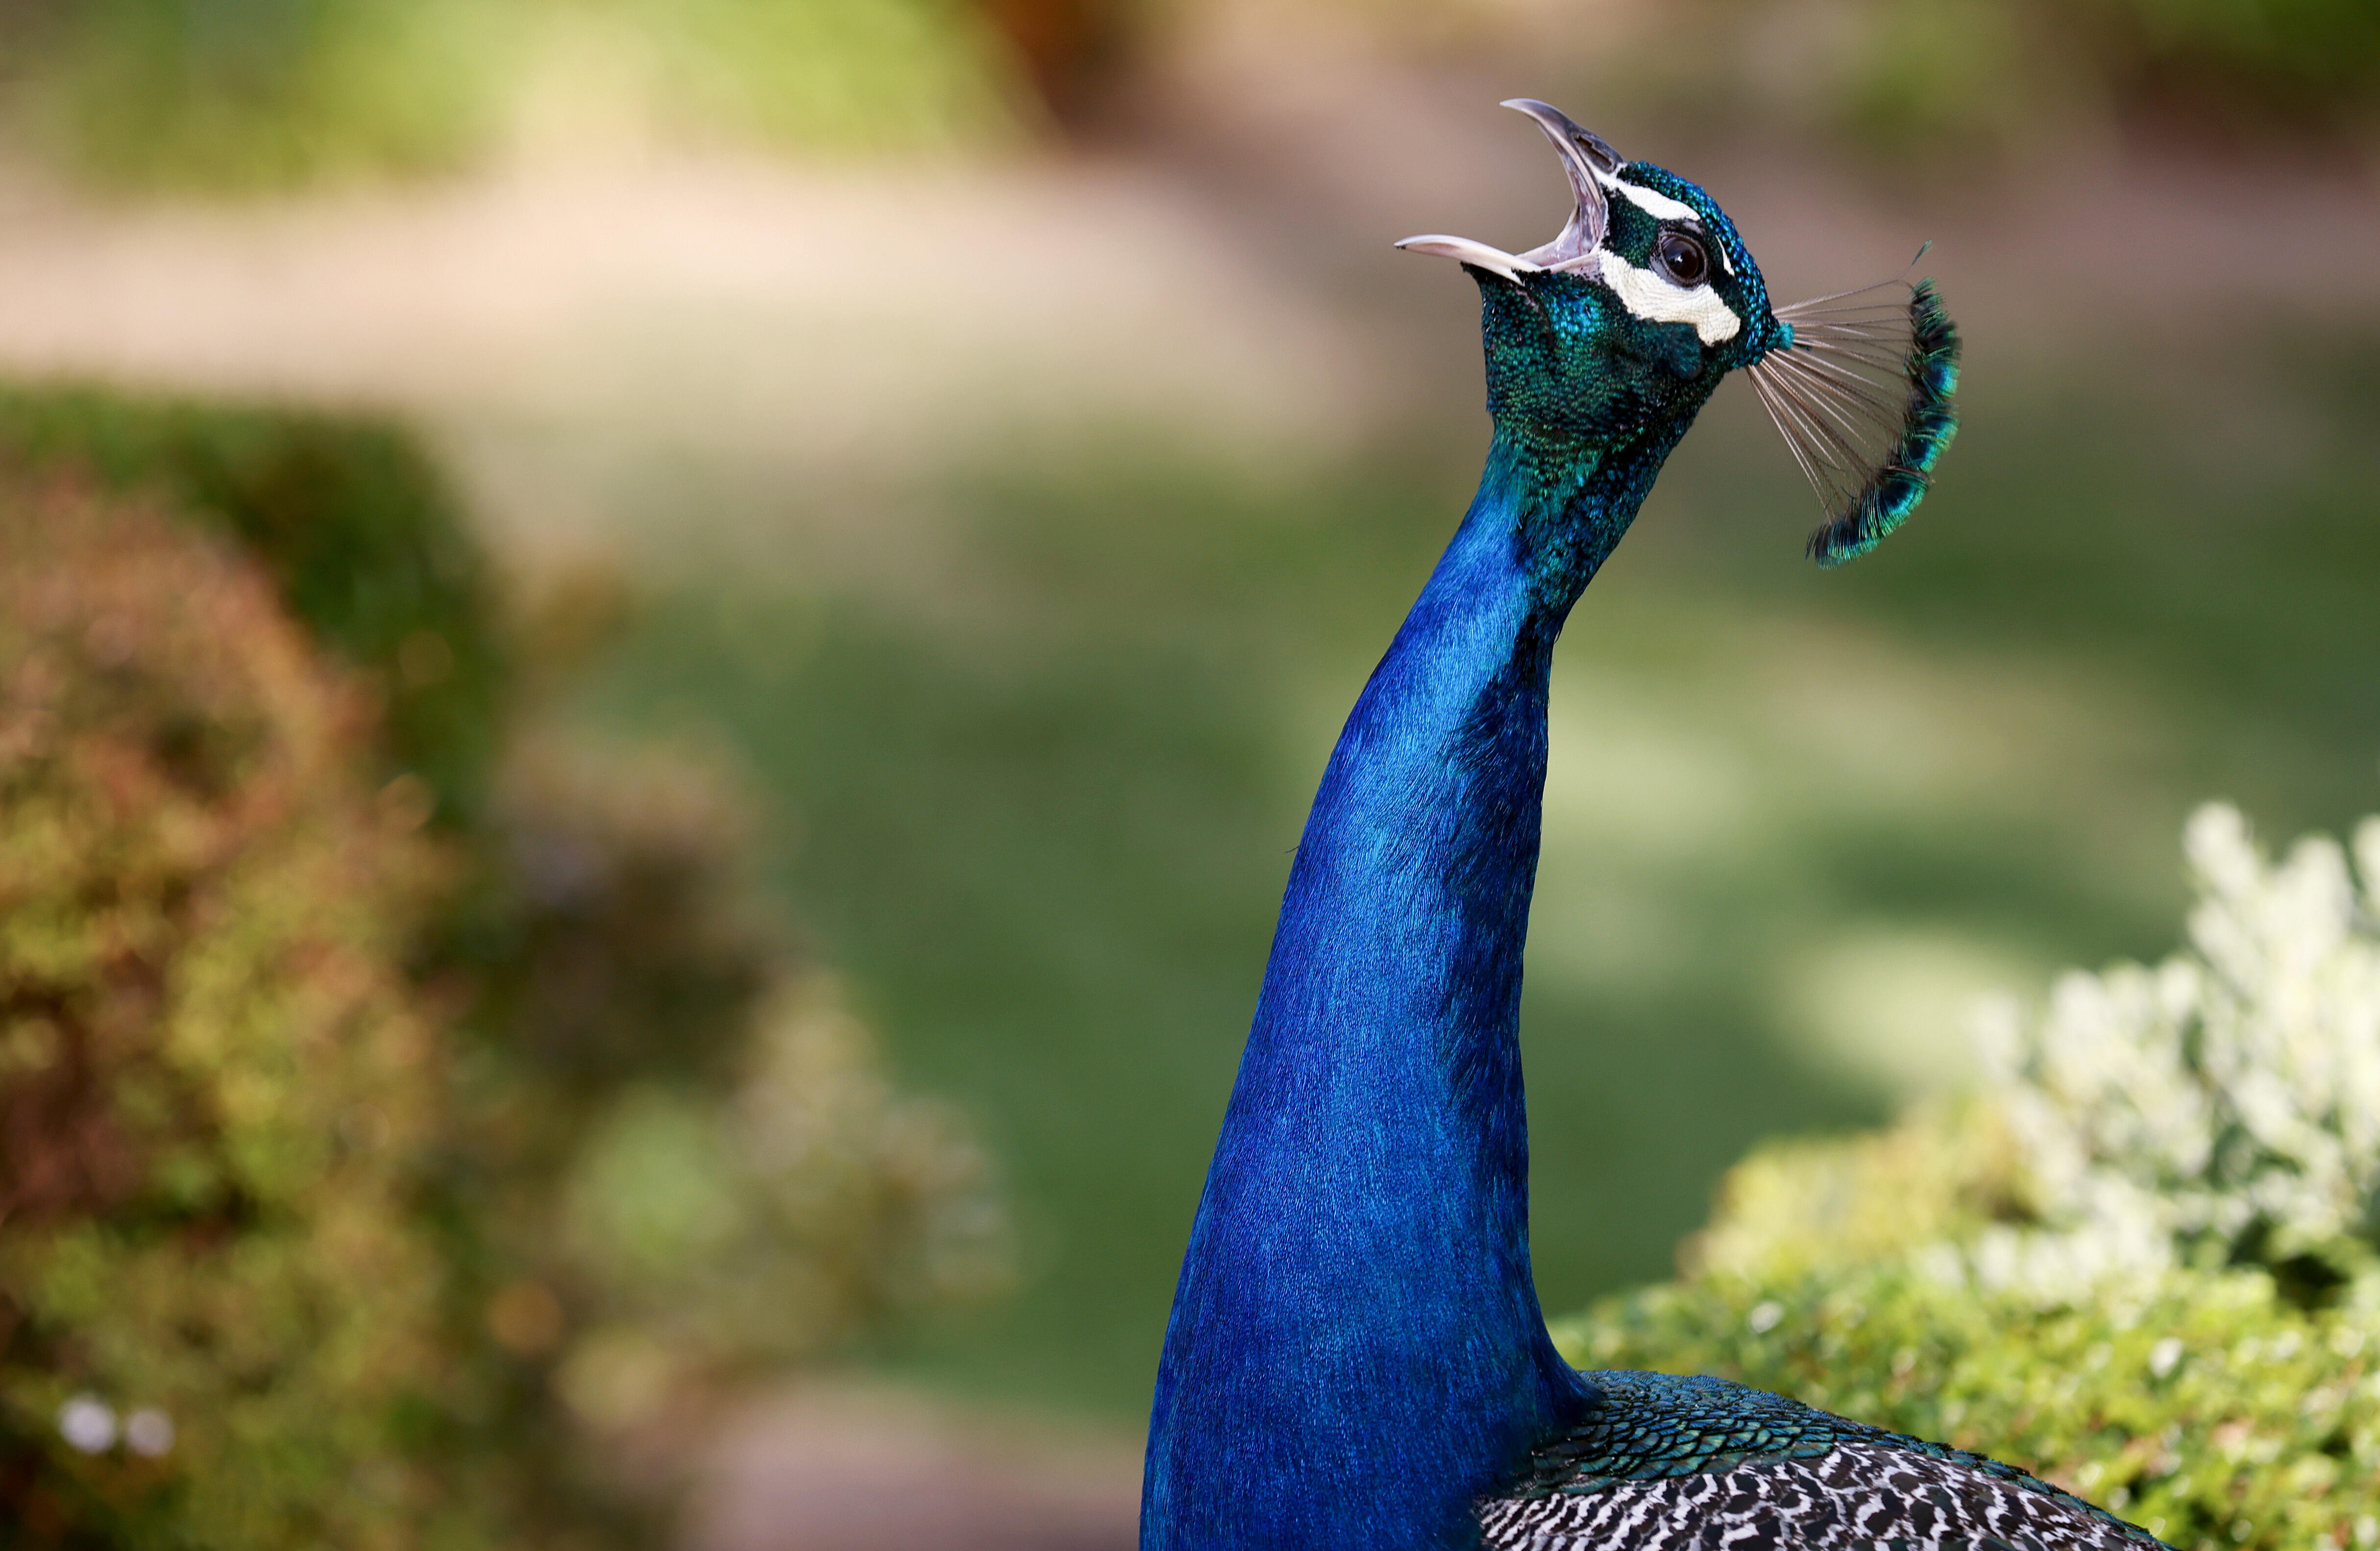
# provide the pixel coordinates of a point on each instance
(362, 536)
(2140, 1264)
(1919, 74)
(2201, 1405)
(242, 96)
(2224, 1107)
(2276, 55)
(608, 904)
(833, 74)
(260, 93)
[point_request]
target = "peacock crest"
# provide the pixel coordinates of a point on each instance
(1861, 391)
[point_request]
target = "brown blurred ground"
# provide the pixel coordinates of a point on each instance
(826, 1468)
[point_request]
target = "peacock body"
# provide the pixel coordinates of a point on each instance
(1356, 1358)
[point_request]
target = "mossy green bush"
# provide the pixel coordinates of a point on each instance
(718, 1240)
(2141, 1262)
(2202, 1405)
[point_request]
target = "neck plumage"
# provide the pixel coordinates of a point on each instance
(1356, 1352)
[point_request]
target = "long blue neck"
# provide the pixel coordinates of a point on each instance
(1356, 1352)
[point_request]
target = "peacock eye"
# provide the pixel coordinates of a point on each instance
(1682, 258)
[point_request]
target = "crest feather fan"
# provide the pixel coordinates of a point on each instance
(1861, 393)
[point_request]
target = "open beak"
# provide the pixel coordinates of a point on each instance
(1585, 161)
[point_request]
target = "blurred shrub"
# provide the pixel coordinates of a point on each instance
(611, 903)
(367, 1183)
(220, 1320)
(258, 94)
(681, 1140)
(2142, 1263)
(2221, 1108)
(1069, 47)
(818, 1202)
(366, 542)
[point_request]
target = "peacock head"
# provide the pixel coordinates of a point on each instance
(1630, 317)
(1635, 310)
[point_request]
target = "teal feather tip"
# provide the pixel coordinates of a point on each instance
(1929, 421)
(1861, 392)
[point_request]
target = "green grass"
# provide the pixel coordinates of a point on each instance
(1038, 808)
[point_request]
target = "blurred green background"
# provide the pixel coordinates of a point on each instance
(901, 492)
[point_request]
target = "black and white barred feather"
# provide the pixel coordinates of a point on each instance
(1702, 1465)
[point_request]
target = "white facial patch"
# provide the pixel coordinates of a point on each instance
(1660, 207)
(1657, 300)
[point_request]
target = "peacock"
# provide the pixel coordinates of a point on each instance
(1355, 1356)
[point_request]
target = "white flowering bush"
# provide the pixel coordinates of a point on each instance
(2222, 1105)
(2141, 1262)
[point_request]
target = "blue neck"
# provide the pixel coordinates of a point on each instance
(1356, 1352)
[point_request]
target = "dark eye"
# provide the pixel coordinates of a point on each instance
(1682, 258)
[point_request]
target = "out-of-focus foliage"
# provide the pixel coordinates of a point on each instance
(364, 1182)
(816, 1201)
(688, 1164)
(2278, 56)
(1912, 78)
(1909, 74)
(262, 94)
(222, 1321)
(1071, 48)
(361, 535)
(1921, 70)
(258, 94)
(2141, 1262)
(830, 74)
(611, 904)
